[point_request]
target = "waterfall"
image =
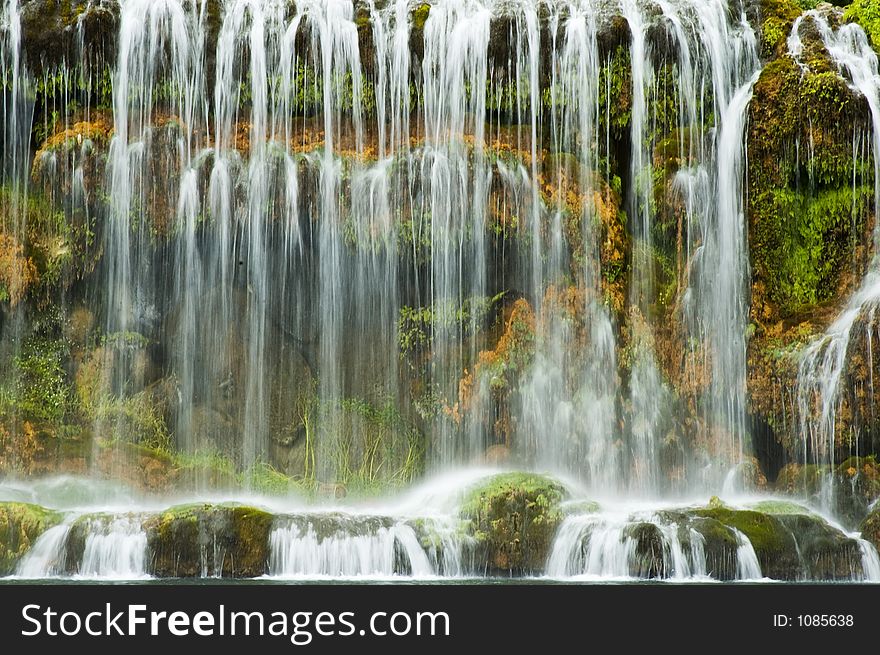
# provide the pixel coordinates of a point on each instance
(349, 548)
(114, 548)
(644, 546)
(870, 562)
(321, 227)
(12, 170)
(47, 557)
(823, 362)
(747, 565)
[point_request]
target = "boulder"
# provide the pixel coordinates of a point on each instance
(212, 540)
(21, 524)
(513, 518)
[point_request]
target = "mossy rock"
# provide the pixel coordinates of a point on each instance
(791, 543)
(825, 552)
(779, 508)
(720, 547)
(806, 218)
(21, 524)
(514, 517)
(774, 544)
(800, 479)
(870, 527)
(649, 560)
(777, 17)
(854, 486)
(214, 540)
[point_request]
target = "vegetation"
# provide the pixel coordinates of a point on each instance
(20, 526)
(514, 517)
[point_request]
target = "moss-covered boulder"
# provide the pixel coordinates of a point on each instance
(213, 540)
(774, 545)
(825, 552)
(513, 518)
(791, 543)
(20, 526)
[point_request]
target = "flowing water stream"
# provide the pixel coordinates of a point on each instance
(312, 210)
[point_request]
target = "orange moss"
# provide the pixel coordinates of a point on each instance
(499, 368)
(17, 271)
(99, 130)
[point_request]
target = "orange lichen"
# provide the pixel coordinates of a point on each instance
(17, 271)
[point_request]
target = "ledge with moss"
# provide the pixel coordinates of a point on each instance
(790, 542)
(514, 517)
(21, 524)
(231, 541)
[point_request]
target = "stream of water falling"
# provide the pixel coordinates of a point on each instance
(316, 179)
(823, 362)
(304, 252)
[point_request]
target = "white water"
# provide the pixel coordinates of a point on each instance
(870, 562)
(747, 565)
(823, 362)
(303, 216)
(603, 546)
(298, 551)
(47, 557)
(114, 548)
(267, 231)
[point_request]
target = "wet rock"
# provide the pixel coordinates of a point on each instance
(513, 518)
(21, 524)
(852, 486)
(870, 527)
(51, 30)
(649, 559)
(790, 542)
(195, 540)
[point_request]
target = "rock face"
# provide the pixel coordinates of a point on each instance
(854, 486)
(789, 542)
(514, 517)
(195, 540)
(809, 218)
(20, 526)
(870, 527)
(810, 222)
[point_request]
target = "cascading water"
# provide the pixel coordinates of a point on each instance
(337, 243)
(271, 206)
(112, 547)
(824, 361)
(347, 550)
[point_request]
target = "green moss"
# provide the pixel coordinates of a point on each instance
(779, 508)
(805, 213)
(227, 540)
(417, 326)
(20, 526)
(777, 18)
(763, 530)
(514, 517)
(420, 16)
(42, 391)
(867, 14)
